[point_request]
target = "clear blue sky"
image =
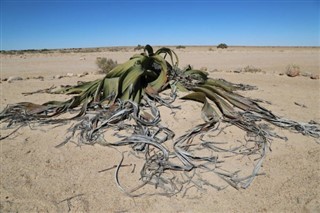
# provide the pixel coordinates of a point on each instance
(64, 24)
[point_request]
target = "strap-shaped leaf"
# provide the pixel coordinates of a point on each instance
(181, 88)
(221, 83)
(234, 99)
(148, 50)
(130, 84)
(110, 87)
(162, 79)
(197, 74)
(223, 106)
(76, 89)
(132, 92)
(208, 113)
(122, 68)
(239, 101)
(173, 56)
(228, 86)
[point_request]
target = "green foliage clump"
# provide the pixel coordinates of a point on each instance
(139, 47)
(222, 46)
(180, 47)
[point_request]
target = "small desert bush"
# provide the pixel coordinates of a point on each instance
(222, 46)
(106, 65)
(180, 47)
(63, 51)
(45, 51)
(139, 47)
(251, 69)
(11, 52)
(114, 49)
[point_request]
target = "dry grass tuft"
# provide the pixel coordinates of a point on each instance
(106, 65)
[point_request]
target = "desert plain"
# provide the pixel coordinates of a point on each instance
(37, 177)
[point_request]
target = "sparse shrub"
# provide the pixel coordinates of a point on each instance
(180, 47)
(139, 47)
(9, 52)
(114, 49)
(63, 51)
(222, 46)
(251, 69)
(106, 65)
(45, 51)
(30, 50)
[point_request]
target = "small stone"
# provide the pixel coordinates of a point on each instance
(293, 73)
(80, 75)
(39, 77)
(293, 70)
(57, 77)
(70, 74)
(85, 73)
(306, 74)
(313, 76)
(14, 78)
(57, 90)
(281, 73)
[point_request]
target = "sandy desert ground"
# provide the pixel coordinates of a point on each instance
(37, 177)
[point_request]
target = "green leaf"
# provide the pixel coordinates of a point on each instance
(223, 106)
(130, 84)
(76, 89)
(197, 74)
(148, 50)
(162, 79)
(171, 53)
(179, 86)
(207, 112)
(232, 98)
(238, 101)
(122, 68)
(110, 87)
(227, 86)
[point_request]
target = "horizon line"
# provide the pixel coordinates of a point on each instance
(158, 45)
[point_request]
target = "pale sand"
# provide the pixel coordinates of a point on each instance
(36, 177)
